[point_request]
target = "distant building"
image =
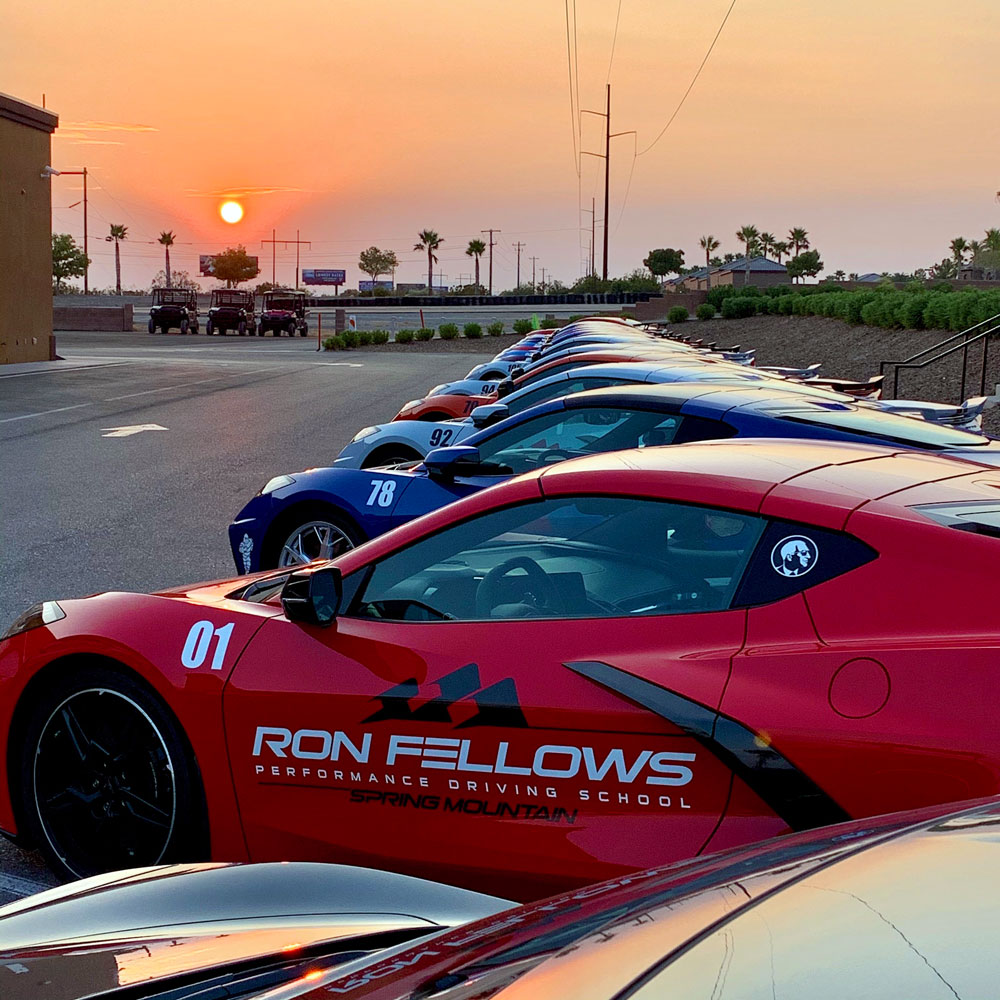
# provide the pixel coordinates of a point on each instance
(869, 279)
(25, 230)
(763, 273)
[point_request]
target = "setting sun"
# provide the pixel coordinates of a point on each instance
(231, 211)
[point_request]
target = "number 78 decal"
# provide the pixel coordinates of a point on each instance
(198, 641)
(383, 491)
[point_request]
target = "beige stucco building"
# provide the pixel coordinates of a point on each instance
(25, 231)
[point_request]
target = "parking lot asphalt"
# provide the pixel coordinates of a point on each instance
(82, 512)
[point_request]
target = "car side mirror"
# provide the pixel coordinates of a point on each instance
(489, 414)
(446, 463)
(313, 597)
(504, 387)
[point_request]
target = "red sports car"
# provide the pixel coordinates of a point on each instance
(614, 662)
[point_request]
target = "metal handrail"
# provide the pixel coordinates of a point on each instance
(982, 336)
(934, 347)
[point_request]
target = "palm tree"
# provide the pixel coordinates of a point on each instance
(799, 239)
(767, 241)
(780, 249)
(992, 240)
(708, 244)
(118, 233)
(839, 275)
(476, 248)
(167, 239)
(749, 236)
(429, 241)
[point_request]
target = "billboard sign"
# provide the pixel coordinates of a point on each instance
(315, 276)
(206, 264)
(370, 286)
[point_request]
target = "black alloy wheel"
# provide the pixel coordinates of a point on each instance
(107, 782)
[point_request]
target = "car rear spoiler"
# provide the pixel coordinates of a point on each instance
(870, 389)
(800, 373)
(967, 416)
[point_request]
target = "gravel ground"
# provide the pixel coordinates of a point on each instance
(844, 351)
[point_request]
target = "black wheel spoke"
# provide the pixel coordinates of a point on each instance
(77, 737)
(145, 811)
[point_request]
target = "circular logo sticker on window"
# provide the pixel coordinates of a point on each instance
(794, 556)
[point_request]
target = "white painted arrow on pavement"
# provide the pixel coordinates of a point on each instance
(124, 432)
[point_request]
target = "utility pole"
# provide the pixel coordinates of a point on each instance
(83, 174)
(274, 243)
(606, 155)
(543, 281)
(518, 246)
(491, 232)
(593, 231)
(533, 259)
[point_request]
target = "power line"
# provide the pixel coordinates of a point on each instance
(694, 80)
(614, 39)
(573, 114)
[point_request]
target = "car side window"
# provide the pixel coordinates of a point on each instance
(564, 387)
(793, 557)
(566, 557)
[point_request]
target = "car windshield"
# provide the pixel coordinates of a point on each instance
(169, 296)
(288, 305)
(229, 299)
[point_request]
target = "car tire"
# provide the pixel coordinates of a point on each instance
(304, 330)
(196, 328)
(242, 328)
(253, 329)
(309, 522)
(209, 328)
(184, 326)
(291, 329)
(107, 778)
(152, 326)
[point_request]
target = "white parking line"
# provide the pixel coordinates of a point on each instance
(68, 370)
(166, 388)
(45, 413)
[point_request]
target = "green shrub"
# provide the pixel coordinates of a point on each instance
(705, 311)
(448, 331)
(549, 324)
(522, 327)
(472, 331)
(404, 336)
(424, 333)
(333, 344)
(495, 329)
(380, 336)
(364, 337)
(349, 338)
(678, 314)
(739, 306)
(719, 294)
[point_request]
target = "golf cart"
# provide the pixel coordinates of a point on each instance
(284, 311)
(231, 309)
(174, 307)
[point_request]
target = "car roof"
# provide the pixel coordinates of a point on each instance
(818, 481)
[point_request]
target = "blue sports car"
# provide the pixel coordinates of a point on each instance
(319, 513)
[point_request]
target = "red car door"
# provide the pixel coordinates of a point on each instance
(551, 745)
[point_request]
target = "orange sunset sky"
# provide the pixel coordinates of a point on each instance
(871, 123)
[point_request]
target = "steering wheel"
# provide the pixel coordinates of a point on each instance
(538, 588)
(553, 455)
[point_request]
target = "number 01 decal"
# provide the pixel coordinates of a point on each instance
(198, 641)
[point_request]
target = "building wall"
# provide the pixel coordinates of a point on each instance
(25, 232)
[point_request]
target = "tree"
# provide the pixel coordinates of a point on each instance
(118, 234)
(167, 239)
(749, 236)
(767, 241)
(806, 263)
(68, 260)
(476, 249)
(799, 239)
(375, 262)
(780, 249)
(429, 241)
(664, 262)
(958, 248)
(946, 269)
(708, 244)
(178, 279)
(234, 265)
(839, 275)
